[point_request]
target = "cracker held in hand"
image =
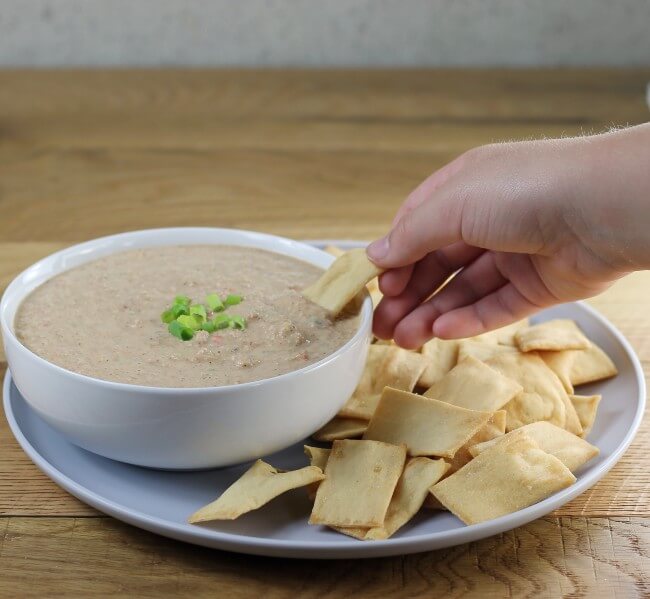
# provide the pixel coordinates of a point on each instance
(428, 427)
(440, 356)
(412, 489)
(258, 485)
(342, 281)
(543, 395)
(474, 385)
(554, 335)
(341, 428)
(360, 480)
(507, 477)
(570, 449)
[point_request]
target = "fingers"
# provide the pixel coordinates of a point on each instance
(429, 226)
(394, 281)
(475, 281)
(505, 306)
(428, 274)
(427, 190)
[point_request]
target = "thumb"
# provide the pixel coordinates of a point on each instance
(433, 224)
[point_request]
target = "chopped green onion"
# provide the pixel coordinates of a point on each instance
(183, 300)
(209, 326)
(192, 322)
(237, 322)
(221, 321)
(214, 302)
(233, 300)
(167, 316)
(180, 331)
(199, 310)
(179, 309)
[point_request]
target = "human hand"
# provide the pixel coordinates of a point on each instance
(528, 224)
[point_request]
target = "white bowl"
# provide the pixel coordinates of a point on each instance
(181, 428)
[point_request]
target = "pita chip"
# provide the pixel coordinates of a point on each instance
(553, 335)
(257, 486)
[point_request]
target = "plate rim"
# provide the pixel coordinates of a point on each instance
(344, 548)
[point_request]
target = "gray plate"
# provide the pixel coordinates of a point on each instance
(160, 501)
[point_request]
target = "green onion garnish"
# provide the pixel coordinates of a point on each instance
(199, 311)
(213, 301)
(183, 319)
(237, 322)
(178, 330)
(221, 321)
(192, 322)
(233, 300)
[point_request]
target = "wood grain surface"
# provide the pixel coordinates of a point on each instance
(308, 154)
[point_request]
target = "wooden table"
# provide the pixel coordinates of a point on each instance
(308, 154)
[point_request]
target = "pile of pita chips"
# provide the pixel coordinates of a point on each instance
(497, 425)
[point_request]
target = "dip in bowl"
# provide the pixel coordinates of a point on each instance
(87, 349)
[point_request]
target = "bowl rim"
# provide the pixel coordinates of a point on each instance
(365, 314)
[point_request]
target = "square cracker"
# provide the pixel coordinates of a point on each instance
(570, 449)
(427, 427)
(554, 335)
(342, 281)
(495, 427)
(543, 396)
(481, 350)
(505, 478)
(318, 457)
(561, 362)
(440, 356)
(410, 493)
(586, 406)
(504, 335)
(360, 479)
(388, 366)
(591, 365)
(341, 428)
(474, 385)
(256, 487)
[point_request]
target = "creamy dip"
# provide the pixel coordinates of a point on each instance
(102, 319)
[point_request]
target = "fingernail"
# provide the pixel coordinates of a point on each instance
(378, 249)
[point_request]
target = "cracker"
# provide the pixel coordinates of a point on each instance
(342, 281)
(341, 428)
(256, 487)
(427, 427)
(543, 396)
(561, 362)
(572, 421)
(554, 335)
(504, 335)
(591, 365)
(410, 493)
(570, 449)
(390, 366)
(360, 480)
(481, 350)
(586, 406)
(440, 356)
(335, 251)
(474, 385)
(318, 457)
(495, 427)
(507, 477)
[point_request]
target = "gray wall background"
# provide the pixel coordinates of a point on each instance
(324, 33)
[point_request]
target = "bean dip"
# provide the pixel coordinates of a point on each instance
(102, 319)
